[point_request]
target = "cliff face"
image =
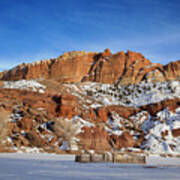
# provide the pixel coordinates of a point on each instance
(70, 67)
(123, 68)
(1, 74)
(172, 70)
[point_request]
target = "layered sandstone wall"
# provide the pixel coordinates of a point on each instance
(105, 67)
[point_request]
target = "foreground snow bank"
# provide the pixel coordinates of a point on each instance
(156, 160)
(25, 85)
(44, 156)
(47, 169)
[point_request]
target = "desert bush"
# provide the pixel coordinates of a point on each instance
(89, 93)
(65, 130)
(120, 96)
(113, 89)
(148, 88)
(127, 101)
(139, 91)
(100, 91)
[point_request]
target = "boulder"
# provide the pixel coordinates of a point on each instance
(96, 138)
(123, 141)
(176, 132)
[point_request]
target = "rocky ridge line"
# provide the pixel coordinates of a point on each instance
(79, 66)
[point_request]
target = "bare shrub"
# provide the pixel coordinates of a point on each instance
(65, 130)
(89, 93)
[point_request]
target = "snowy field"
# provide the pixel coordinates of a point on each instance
(63, 167)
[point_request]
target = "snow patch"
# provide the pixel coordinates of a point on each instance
(134, 95)
(31, 85)
(158, 133)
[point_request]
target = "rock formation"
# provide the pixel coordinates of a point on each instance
(105, 67)
(71, 91)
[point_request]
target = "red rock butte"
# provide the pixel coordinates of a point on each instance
(105, 67)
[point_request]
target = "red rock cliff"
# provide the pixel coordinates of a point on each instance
(77, 66)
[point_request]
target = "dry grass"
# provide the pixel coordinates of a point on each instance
(4, 118)
(1, 83)
(51, 84)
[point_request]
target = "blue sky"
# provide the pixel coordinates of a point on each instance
(32, 30)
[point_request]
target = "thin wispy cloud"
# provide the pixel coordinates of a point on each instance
(33, 30)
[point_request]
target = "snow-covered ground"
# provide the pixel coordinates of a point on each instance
(38, 156)
(31, 85)
(158, 132)
(48, 167)
(130, 95)
(156, 160)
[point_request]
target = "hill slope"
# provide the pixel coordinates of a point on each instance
(114, 102)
